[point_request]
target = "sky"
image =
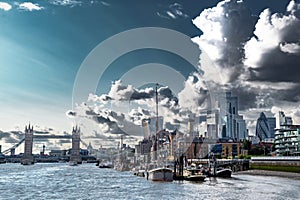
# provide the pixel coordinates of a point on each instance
(56, 54)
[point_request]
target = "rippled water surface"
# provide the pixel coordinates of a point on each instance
(60, 181)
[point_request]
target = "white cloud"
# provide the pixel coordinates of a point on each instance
(5, 6)
(194, 94)
(226, 27)
(30, 6)
(284, 32)
(71, 3)
(292, 48)
(173, 11)
(104, 3)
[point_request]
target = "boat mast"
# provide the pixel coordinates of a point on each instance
(156, 96)
(156, 123)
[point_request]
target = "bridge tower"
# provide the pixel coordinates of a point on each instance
(75, 155)
(28, 158)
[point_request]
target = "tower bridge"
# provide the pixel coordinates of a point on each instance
(30, 137)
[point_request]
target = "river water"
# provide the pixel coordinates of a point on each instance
(86, 181)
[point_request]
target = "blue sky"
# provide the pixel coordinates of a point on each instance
(43, 45)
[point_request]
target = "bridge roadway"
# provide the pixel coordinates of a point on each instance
(40, 136)
(35, 136)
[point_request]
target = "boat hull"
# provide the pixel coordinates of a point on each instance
(195, 178)
(225, 173)
(162, 174)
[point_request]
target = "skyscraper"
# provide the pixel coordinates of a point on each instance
(272, 126)
(225, 121)
(262, 127)
(284, 120)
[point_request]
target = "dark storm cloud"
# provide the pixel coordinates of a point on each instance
(277, 66)
(246, 95)
(4, 135)
(113, 127)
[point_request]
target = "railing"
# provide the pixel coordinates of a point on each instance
(276, 158)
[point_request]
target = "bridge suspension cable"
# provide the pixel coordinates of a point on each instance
(13, 147)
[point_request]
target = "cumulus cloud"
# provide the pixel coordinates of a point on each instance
(5, 6)
(276, 58)
(173, 11)
(257, 58)
(28, 6)
(194, 94)
(226, 27)
(128, 106)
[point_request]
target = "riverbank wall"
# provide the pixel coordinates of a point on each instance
(284, 164)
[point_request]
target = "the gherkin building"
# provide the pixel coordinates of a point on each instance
(262, 127)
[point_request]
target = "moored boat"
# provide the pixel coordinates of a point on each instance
(73, 163)
(160, 174)
(106, 165)
(193, 175)
(220, 172)
(225, 173)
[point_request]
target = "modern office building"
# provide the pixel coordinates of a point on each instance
(262, 127)
(265, 127)
(287, 140)
(284, 120)
(272, 126)
(287, 137)
(225, 121)
(212, 120)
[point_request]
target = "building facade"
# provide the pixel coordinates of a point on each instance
(225, 121)
(287, 137)
(287, 140)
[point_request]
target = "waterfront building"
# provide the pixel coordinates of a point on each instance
(287, 140)
(227, 150)
(28, 158)
(142, 151)
(287, 137)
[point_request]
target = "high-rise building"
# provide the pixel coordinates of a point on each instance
(262, 127)
(284, 120)
(287, 137)
(272, 126)
(212, 120)
(265, 127)
(231, 125)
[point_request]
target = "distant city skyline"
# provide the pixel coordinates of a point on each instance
(45, 43)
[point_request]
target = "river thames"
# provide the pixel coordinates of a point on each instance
(86, 181)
